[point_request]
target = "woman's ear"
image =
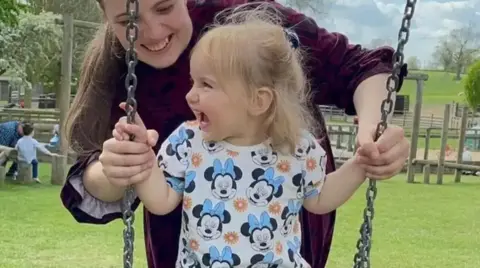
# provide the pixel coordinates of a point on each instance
(261, 101)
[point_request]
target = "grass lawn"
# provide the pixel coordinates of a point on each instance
(416, 225)
(440, 88)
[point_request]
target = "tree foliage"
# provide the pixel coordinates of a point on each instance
(9, 11)
(413, 63)
(456, 51)
(32, 49)
(472, 86)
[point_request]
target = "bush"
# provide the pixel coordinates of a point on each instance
(472, 86)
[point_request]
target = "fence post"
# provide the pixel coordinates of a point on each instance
(461, 143)
(2, 176)
(415, 131)
(427, 143)
(66, 75)
(441, 157)
(59, 169)
(426, 174)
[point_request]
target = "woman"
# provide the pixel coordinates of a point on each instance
(341, 74)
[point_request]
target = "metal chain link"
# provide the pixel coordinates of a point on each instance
(364, 243)
(131, 108)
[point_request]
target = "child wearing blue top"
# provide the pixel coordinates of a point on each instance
(27, 150)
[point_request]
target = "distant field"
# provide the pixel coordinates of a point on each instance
(439, 89)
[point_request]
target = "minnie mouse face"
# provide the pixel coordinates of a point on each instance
(211, 219)
(223, 179)
(260, 231)
(267, 261)
(214, 259)
(264, 157)
(212, 147)
(180, 145)
(303, 148)
(265, 187)
(294, 253)
(289, 216)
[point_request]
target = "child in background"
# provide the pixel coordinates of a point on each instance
(248, 163)
(27, 150)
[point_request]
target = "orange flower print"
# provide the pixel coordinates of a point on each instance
(232, 153)
(231, 238)
(187, 202)
(240, 204)
(296, 227)
(283, 166)
(192, 123)
(196, 159)
(311, 164)
(194, 244)
(278, 248)
(275, 208)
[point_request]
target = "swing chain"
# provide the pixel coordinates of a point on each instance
(131, 108)
(362, 257)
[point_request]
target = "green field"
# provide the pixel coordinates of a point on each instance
(416, 225)
(439, 89)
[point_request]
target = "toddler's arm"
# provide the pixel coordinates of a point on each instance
(42, 148)
(157, 196)
(337, 188)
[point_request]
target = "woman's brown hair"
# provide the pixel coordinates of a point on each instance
(88, 121)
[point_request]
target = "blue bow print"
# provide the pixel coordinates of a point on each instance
(218, 169)
(208, 209)
(189, 178)
(294, 247)
(255, 224)
(268, 259)
(275, 182)
(294, 207)
(226, 255)
(178, 139)
(176, 184)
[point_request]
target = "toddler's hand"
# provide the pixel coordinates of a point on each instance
(128, 162)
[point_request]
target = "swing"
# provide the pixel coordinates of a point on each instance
(362, 257)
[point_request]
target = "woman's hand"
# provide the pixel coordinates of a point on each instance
(384, 158)
(128, 162)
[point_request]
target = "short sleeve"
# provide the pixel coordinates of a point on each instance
(174, 156)
(314, 166)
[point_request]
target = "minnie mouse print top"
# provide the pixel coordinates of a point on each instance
(240, 203)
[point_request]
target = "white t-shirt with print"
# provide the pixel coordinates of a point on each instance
(240, 204)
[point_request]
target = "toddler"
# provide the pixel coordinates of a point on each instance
(248, 163)
(27, 150)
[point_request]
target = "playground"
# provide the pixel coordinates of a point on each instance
(417, 225)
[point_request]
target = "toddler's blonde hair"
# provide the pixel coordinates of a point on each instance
(249, 45)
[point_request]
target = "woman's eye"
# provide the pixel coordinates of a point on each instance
(164, 10)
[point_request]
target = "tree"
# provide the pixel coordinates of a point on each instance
(9, 11)
(443, 55)
(472, 86)
(31, 50)
(457, 50)
(413, 63)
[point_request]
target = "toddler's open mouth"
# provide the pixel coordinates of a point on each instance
(204, 121)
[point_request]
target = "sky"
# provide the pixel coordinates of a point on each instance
(365, 20)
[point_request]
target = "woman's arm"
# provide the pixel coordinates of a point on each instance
(337, 189)
(338, 69)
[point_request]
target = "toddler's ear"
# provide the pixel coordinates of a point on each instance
(261, 101)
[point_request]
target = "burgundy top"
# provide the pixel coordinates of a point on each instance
(335, 69)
